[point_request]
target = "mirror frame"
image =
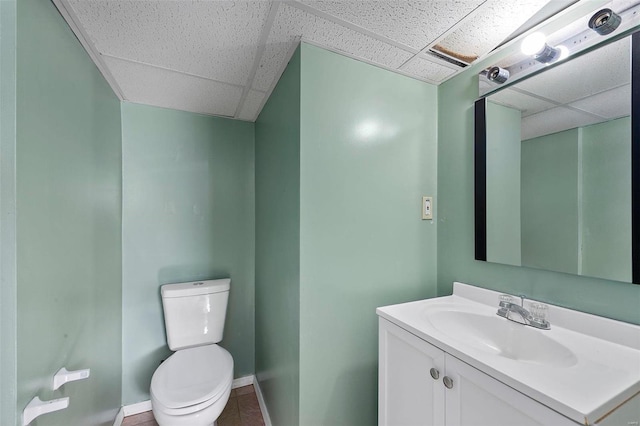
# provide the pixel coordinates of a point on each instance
(480, 167)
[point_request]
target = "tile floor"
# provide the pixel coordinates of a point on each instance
(241, 410)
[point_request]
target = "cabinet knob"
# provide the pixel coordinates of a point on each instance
(448, 382)
(434, 373)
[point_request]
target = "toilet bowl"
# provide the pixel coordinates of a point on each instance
(192, 387)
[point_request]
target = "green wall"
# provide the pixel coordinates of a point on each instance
(368, 155)
(8, 285)
(503, 184)
(69, 221)
(344, 153)
(456, 217)
(550, 202)
(606, 200)
(278, 248)
(188, 214)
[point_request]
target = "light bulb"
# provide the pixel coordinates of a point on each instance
(533, 43)
(605, 21)
(497, 74)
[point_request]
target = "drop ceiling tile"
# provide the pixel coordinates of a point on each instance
(554, 120)
(272, 63)
(154, 86)
(213, 39)
(527, 104)
(593, 73)
(252, 105)
(425, 69)
(413, 23)
(292, 24)
(490, 26)
(614, 103)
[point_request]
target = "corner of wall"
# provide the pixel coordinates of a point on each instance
(455, 108)
(8, 279)
(277, 263)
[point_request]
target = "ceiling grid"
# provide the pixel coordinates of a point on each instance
(225, 58)
(247, 112)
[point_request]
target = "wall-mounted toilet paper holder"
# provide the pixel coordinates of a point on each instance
(38, 407)
(65, 376)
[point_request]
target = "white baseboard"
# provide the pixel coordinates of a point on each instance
(119, 417)
(137, 408)
(263, 405)
(144, 406)
(242, 381)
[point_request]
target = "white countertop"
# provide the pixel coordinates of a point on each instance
(606, 374)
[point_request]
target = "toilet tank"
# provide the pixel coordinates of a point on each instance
(194, 312)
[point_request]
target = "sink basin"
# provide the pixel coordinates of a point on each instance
(502, 337)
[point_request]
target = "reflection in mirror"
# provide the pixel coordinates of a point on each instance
(558, 168)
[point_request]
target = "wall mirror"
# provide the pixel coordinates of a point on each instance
(556, 159)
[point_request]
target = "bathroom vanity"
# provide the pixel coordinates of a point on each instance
(453, 361)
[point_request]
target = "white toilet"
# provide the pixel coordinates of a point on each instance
(192, 386)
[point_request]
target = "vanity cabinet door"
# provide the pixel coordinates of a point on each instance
(408, 395)
(480, 400)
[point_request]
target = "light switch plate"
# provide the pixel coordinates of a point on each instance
(427, 208)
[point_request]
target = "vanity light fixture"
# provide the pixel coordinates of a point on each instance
(497, 74)
(536, 45)
(557, 39)
(605, 21)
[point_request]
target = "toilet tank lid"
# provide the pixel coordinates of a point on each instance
(195, 288)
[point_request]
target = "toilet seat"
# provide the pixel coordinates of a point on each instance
(190, 409)
(192, 379)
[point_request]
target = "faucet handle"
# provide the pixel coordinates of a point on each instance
(538, 311)
(538, 315)
(505, 298)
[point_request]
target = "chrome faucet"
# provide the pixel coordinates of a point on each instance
(518, 313)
